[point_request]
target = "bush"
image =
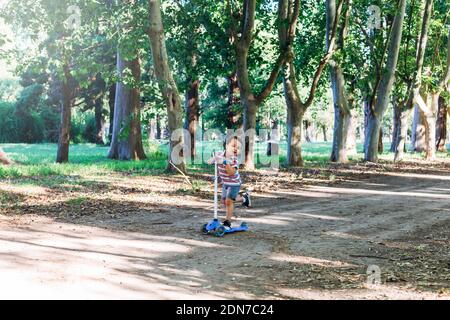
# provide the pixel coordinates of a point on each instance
(89, 132)
(8, 123)
(30, 128)
(83, 127)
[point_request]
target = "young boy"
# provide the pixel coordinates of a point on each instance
(228, 171)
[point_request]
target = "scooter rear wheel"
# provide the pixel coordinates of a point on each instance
(204, 230)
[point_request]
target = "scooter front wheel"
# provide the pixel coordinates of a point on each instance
(204, 229)
(220, 231)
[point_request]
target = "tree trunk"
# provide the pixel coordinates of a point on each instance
(430, 138)
(373, 134)
(294, 130)
(396, 126)
(167, 86)
(250, 109)
(158, 127)
(68, 90)
(402, 133)
(233, 100)
(111, 103)
(385, 88)
(380, 142)
(249, 100)
(441, 126)
(4, 158)
(309, 131)
(418, 141)
(274, 135)
(126, 143)
(415, 86)
(295, 112)
(366, 121)
(430, 127)
(350, 125)
(98, 93)
(99, 123)
(249, 104)
(324, 131)
(339, 149)
(152, 130)
(341, 114)
(192, 105)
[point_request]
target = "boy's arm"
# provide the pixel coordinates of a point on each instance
(231, 167)
(231, 171)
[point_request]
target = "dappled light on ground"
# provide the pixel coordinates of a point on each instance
(313, 234)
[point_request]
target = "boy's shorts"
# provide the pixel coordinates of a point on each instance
(230, 192)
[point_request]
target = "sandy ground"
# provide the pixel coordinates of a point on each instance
(313, 235)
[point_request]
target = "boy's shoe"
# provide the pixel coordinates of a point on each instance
(247, 200)
(227, 223)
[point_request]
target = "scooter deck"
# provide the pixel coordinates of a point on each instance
(217, 229)
(236, 229)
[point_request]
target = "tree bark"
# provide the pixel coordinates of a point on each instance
(274, 135)
(418, 142)
(366, 107)
(99, 123)
(385, 88)
(430, 128)
(380, 142)
(233, 92)
(342, 116)
(68, 90)
(111, 103)
(192, 105)
(126, 143)
(350, 125)
(152, 129)
(99, 92)
(158, 127)
(309, 131)
(324, 131)
(402, 136)
(294, 129)
(396, 114)
(167, 86)
(441, 126)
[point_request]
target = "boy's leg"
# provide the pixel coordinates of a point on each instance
(224, 195)
(244, 199)
(230, 209)
(232, 195)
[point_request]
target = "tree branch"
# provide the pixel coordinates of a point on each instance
(272, 79)
(326, 58)
(248, 21)
(290, 35)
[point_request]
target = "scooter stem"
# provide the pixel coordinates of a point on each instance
(216, 182)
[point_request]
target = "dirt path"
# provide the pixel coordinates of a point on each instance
(140, 239)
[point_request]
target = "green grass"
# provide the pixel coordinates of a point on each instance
(38, 160)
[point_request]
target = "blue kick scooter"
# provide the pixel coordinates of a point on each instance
(215, 227)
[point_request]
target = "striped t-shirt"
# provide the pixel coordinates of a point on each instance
(234, 180)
